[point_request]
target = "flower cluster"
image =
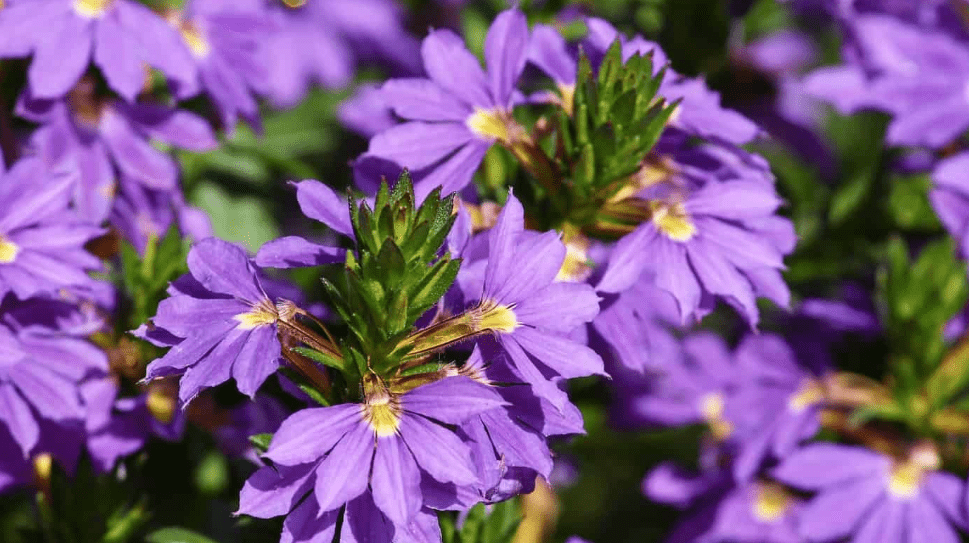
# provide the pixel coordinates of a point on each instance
(551, 229)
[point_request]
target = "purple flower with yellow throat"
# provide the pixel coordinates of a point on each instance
(459, 111)
(122, 36)
(519, 298)
(225, 320)
(100, 137)
(382, 449)
(868, 496)
(41, 240)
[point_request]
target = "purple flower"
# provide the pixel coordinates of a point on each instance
(140, 214)
(366, 112)
(382, 448)
(509, 444)
(322, 41)
(917, 77)
(99, 138)
(40, 369)
(226, 322)
(718, 511)
(721, 240)
(950, 198)
(318, 202)
(520, 301)
(117, 426)
(870, 497)
(63, 35)
(41, 241)
(225, 42)
(459, 111)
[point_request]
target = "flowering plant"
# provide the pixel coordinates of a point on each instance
(633, 271)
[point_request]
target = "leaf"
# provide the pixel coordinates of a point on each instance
(173, 534)
(261, 441)
(320, 357)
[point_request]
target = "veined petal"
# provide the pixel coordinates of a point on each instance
(826, 464)
(421, 99)
(296, 252)
(417, 145)
(60, 57)
(561, 307)
(449, 64)
(438, 451)
(344, 473)
(396, 481)
(452, 400)
(309, 434)
(836, 512)
(224, 268)
(501, 246)
(566, 357)
(455, 173)
(506, 49)
(318, 201)
(273, 491)
(119, 56)
(15, 413)
(257, 360)
(307, 524)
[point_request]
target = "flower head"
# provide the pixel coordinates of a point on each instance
(224, 319)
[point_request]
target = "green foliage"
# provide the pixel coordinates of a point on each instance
(395, 274)
(145, 277)
(68, 514)
(176, 535)
(483, 524)
(616, 120)
(919, 297)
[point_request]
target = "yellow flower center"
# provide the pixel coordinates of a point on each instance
(92, 9)
(382, 413)
(43, 467)
(577, 266)
(489, 124)
(260, 315)
(294, 3)
(568, 97)
(809, 394)
(905, 480)
(497, 318)
(671, 219)
(8, 250)
(196, 41)
(711, 408)
(771, 503)
(160, 405)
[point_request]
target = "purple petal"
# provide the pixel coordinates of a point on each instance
(177, 127)
(344, 472)
(506, 48)
(836, 512)
(118, 54)
(319, 202)
(566, 357)
(561, 307)
(212, 370)
(273, 491)
(455, 173)
(438, 451)
(306, 524)
(396, 481)
(257, 360)
(61, 57)
(826, 464)
(416, 145)
(501, 246)
(423, 100)
(224, 268)
(452, 400)
(16, 414)
(548, 51)
(449, 64)
(309, 434)
(135, 156)
(53, 396)
(296, 252)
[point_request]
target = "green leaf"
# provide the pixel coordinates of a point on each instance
(261, 441)
(320, 357)
(173, 534)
